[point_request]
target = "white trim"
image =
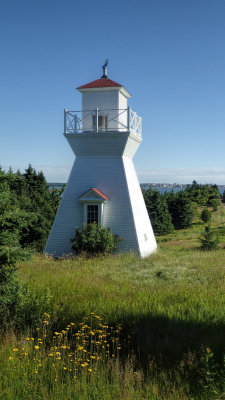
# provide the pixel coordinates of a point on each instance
(100, 211)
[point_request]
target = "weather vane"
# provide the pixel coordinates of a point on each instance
(104, 68)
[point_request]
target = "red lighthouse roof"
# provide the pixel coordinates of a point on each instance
(100, 83)
(103, 83)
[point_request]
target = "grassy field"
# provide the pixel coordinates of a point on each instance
(170, 309)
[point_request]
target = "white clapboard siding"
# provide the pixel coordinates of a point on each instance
(102, 100)
(115, 177)
(104, 144)
(122, 105)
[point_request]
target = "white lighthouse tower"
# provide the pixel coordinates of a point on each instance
(103, 185)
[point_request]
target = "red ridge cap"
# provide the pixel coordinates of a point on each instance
(100, 83)
(100, 193)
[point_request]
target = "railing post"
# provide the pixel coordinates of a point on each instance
(135, 122)
(65, 113)
(96, 119)
(75, 123)
(128, 118)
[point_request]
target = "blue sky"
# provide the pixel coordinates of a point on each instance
(170, 54)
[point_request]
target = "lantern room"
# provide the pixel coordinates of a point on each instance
(104, 109)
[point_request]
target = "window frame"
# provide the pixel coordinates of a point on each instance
(85, 211)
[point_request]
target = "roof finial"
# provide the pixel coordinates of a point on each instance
(104, 68)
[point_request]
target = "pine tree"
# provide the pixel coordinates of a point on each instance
(180, 208)
(158, 212)
(208, 240)
(206, 215)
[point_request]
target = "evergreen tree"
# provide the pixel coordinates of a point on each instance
(206, 215)
(202, 194)
(223, 197)
(158, 212)
(44, 203)
(28, 209)
(208, 240)
(180, 208)
(214, 203)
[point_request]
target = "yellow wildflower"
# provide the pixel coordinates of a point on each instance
(15, 349)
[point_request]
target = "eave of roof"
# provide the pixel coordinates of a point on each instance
(100, 193)
(103, 84)
(98, 196)
(100, 83)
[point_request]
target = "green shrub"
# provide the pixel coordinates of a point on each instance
(32, 304)
(94, 239)
(206, 215)
(214, 203)
(208, 241)
(9, 296)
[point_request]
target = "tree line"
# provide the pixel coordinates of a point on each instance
(27, 211)
(171, 210)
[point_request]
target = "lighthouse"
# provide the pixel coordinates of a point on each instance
(103, 186)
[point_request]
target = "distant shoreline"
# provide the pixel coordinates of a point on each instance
(170, 186)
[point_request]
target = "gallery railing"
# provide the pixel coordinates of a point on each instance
(102, 120)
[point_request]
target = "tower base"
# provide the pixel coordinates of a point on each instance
(124, 213)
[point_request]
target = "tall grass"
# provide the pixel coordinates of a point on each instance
(170, 307)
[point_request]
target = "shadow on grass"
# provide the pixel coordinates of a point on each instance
(168, 340)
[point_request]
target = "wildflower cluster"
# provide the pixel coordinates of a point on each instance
(69, 353)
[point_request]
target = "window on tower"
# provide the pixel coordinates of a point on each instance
(92, 214)
(93, 204)
(102, 122)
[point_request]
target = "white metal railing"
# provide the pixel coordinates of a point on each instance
(102, 120)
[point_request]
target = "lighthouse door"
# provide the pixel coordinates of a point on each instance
(102, 122)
